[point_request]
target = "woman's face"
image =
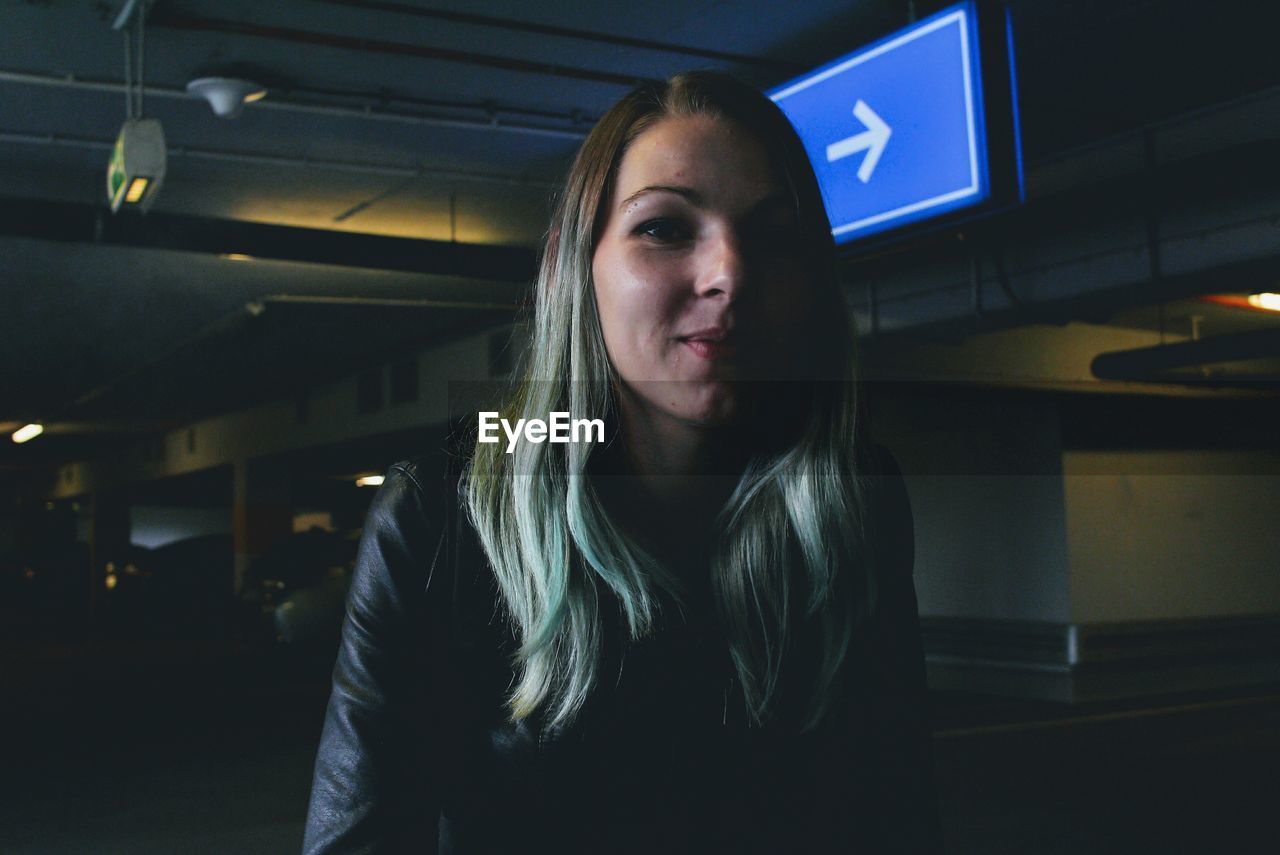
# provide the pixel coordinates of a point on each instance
(698, 276)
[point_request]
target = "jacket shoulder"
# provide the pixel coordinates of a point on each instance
(434, 474)
(405, 547)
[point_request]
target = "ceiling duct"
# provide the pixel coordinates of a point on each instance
(1190, 361)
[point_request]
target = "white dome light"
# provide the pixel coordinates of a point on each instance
(226, 95)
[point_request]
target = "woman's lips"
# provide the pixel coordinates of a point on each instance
(710, 349)
(714, 343)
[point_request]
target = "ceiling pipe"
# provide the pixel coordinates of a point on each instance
(395, 303)
(491, 122)
(193, 23)
(1152, 364)
(257, 159)
(562, 32)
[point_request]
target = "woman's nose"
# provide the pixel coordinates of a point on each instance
(722, 267)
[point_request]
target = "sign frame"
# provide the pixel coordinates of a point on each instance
(995, 138)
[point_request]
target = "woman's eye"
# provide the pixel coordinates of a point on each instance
(663, 230)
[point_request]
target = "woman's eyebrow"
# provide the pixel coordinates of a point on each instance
(768, 203)
(687, 192)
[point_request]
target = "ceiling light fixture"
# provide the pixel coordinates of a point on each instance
(27, 432)
(1265, 300)
(227, 95)
(137, 165)
(1261, 302)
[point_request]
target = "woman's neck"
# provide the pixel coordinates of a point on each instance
(669, 480)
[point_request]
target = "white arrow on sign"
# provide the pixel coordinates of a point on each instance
(872, 140)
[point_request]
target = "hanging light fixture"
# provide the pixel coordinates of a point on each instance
(138, 159)
(137, 165)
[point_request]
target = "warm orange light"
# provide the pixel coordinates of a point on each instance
(369, 481)
(255, 96)
(136, 189)
(237, 256)
(111, 583)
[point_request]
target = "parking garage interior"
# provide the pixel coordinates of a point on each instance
(1078, 379)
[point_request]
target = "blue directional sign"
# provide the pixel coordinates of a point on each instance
(896, 131)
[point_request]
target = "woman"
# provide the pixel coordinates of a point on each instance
(697, 636)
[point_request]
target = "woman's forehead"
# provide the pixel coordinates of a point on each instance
(719, 159)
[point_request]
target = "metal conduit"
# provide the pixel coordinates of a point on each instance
(195, 23)
(281, 160)
(494, 123)
(520, 26)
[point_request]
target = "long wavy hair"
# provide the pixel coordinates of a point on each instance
(794, 519)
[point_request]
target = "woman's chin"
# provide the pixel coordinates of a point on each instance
(697, 403)
(721, 405)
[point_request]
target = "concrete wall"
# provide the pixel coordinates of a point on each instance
(986, 491)
(1172, 534)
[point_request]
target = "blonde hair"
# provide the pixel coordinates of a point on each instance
(797, 510)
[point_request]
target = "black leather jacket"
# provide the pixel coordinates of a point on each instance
(417, 754)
